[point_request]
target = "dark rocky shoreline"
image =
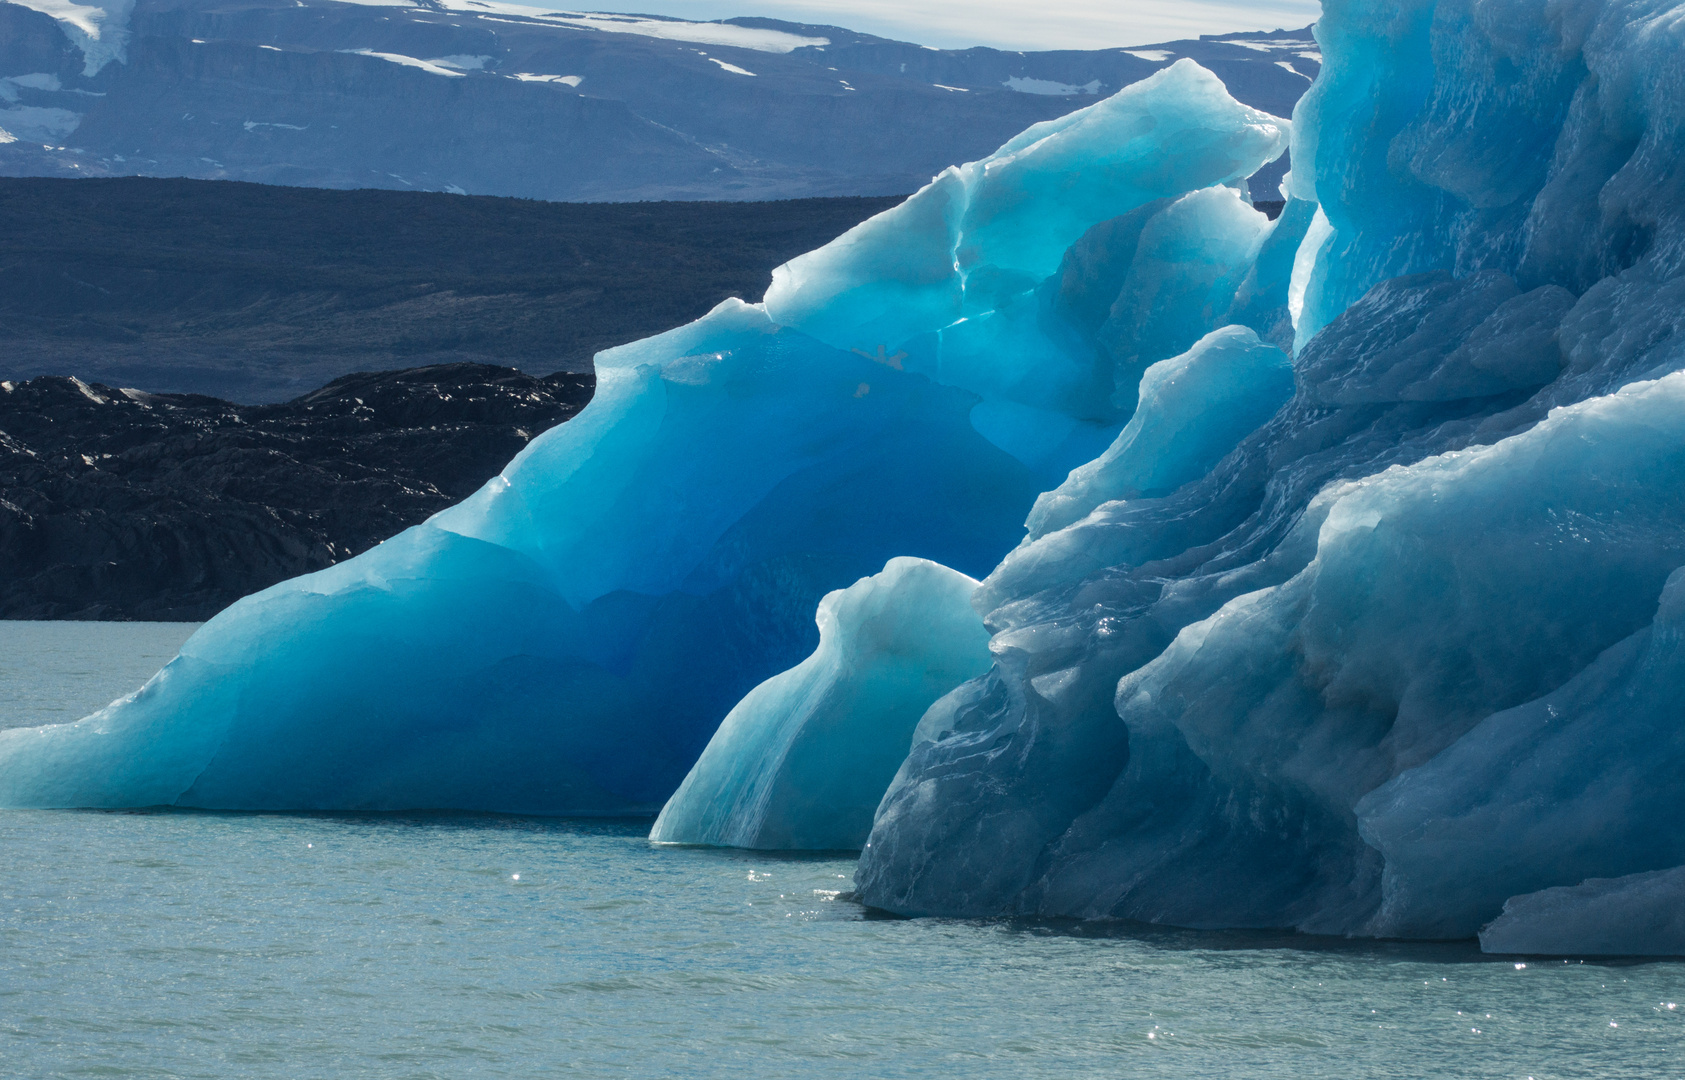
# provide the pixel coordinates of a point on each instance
(120, 504)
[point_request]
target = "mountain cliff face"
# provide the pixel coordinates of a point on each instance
(119, 504)
(489, 98)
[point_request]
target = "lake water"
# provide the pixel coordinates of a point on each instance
(157, 944)
(52, 672)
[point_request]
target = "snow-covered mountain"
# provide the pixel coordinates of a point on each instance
(492, 98)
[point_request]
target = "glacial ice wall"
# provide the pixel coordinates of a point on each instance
(567, 639)
(801, 762)
(1359, 673)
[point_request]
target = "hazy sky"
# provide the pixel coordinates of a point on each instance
(1006, 24)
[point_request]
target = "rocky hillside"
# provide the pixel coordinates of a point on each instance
(119, 504)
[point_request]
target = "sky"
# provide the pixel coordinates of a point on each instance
(1004, 24)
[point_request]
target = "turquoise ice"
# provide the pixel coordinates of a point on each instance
(567, 640)
(803, 759)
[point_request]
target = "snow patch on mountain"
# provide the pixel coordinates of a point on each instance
(36, 81)
(39, 124)
(739, 37)
(407, 61)
(1050, 88)
(100, 31)
(565, 80)
(462, 63)
(1271, 44)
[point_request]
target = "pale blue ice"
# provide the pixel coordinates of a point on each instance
(802, 761)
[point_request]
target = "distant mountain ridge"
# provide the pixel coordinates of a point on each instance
(489, 98)
(259, 293)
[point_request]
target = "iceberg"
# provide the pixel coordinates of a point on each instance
(1396, 659)
(1192, 410)
(1331, 569)
(567, 640)
(803, 759)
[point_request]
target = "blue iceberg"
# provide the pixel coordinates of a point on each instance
(1399, 657)
(1632, 915)
(1330, 566)
(1577, 784)
(567, 640)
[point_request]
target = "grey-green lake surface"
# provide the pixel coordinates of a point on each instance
(55, 672)
(170, 944)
